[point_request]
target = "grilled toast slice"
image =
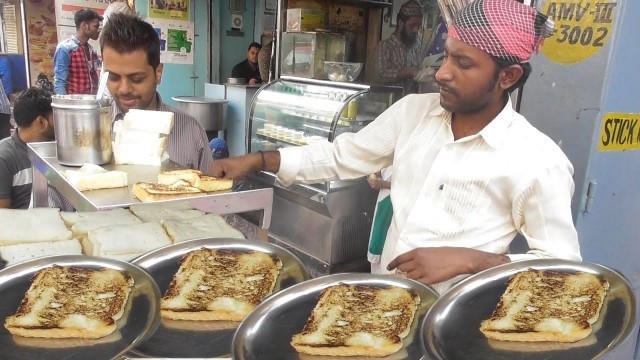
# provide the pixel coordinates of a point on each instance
(358, 320)
(544, 305)
(68, 302)
(196, 179)
(146, 191)
(219, 285)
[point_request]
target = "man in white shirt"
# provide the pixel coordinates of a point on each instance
(469, 173)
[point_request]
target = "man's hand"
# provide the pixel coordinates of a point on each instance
(434, 265)
(234, 168)
(252, 81)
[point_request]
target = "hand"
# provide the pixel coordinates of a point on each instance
(376, 182)
(234, 168)
(438, 264)
(252, 81)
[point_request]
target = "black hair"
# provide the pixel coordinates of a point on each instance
(503, 63)
(31, 103)
(126, 33)
(255, 45)
(85, 15)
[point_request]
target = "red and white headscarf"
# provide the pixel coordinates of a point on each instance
(506, 29)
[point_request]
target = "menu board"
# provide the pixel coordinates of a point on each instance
(42, 37)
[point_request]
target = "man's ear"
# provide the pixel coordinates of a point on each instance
(41, 122)
(510, 75)
(159, 74)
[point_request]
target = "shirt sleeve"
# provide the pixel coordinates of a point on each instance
(385, 68)
(206, 157)
(542, 214)
(6, 180)
(61, 63)
(350, 156)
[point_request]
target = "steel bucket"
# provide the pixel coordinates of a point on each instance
(83, 129)
(209, 112)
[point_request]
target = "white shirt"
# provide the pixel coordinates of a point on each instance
(475, 192)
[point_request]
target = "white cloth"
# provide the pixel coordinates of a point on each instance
(475, 192)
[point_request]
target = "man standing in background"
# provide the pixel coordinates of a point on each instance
(248, 69)
(75, 61)
(399, 57)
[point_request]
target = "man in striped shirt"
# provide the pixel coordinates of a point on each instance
(131, 54)
(34, 117)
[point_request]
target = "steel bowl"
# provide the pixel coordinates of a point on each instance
(342, 71)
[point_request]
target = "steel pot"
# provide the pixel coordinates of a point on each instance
(209, 112)
(83, 129)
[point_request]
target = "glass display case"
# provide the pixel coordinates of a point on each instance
(326, 224)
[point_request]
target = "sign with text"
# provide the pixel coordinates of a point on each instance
(169, 9)
(176, 40)
(620, 132)
(582, 28)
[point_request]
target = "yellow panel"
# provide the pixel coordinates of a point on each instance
(619, 132)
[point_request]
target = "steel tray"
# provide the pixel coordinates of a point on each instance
(202, 339)
(451, 329)
(266, 333)
(141, 316)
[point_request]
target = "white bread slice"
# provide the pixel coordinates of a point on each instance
(358, 320)
(92, 177)
(169, 177)
(207, 226)
(219, 285)
(144, 139)
(64, 302)
(150, 212)
(83, 222)
(149, 120)
(126, 239)
(32, 225)
(545, 305)
(145, 191)
(16, 253)
(134, 155)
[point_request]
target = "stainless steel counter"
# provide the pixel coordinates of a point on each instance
(46, 168)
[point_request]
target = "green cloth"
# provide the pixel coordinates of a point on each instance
(381, 223)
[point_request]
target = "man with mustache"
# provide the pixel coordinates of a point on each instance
(399, 57)
(469, 172)
(131, 54)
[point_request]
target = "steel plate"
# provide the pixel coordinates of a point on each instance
(451, 329)
(266, 333)
(141, 316)
(203, 339)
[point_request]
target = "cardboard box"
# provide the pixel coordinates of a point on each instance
(305, 19)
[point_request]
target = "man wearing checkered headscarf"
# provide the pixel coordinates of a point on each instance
(506, 30)
(399, 57)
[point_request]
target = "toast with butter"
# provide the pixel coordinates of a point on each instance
(68, 302)
(358, 320)
(196, 179)
(146, 191)
(544, 305)
(219, 285)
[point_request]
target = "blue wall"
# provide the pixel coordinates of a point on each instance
(233, 49)
(176, 78)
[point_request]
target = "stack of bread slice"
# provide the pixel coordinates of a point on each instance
(179, 184)
(92, 177)
(28, 234)
(141, 137)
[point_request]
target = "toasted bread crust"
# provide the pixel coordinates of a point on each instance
(358, 320)
(155, 192)
(543, 305)
(67, 302)
(219, 285)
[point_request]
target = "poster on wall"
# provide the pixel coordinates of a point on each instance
(176, 40)
(42, 38)
(169, 9)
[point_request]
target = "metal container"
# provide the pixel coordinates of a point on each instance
(209, 112)
(83, 129)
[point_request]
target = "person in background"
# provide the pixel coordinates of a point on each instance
(248, 69)
(131, 53)
(469, 172)
(398, 58)
(34, 116)
(75, 62)
(5, 114)
(219, 148)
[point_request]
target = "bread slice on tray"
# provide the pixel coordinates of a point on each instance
(157, 212)
(544, 305)
(358, 320)
(68, 302)
(16, 253)
(207, 226)
(196, 179)
(31, 226)
(127, 240)
(146, 191)
(84, 221)
(219, 285)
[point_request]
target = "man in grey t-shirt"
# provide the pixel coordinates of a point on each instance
(34, 117)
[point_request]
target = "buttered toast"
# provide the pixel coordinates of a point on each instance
(67, 302)
(219, 285)
(541, 305)
(358, 320)
(196, 179)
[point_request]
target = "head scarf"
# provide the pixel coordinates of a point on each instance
(411, 8)
(506, 29)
